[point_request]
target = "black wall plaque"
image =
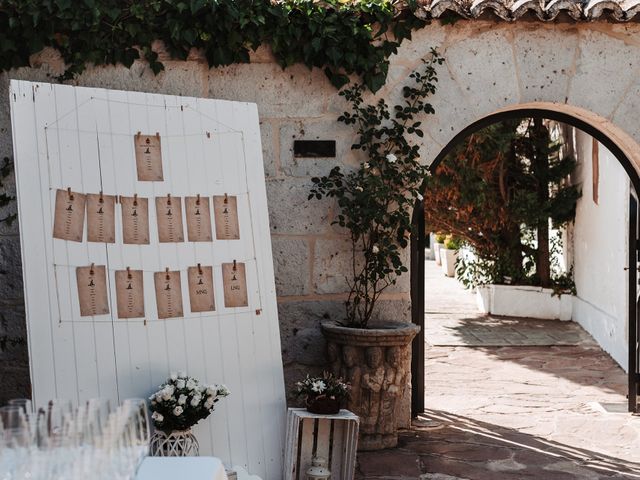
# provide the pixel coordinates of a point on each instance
(314, 148)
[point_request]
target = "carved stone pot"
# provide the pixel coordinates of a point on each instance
(377, 364)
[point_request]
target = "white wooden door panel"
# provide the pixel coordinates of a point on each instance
(82, 138)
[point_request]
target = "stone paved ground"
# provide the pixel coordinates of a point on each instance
(515, 399)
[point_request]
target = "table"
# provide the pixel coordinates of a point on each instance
(172, 468)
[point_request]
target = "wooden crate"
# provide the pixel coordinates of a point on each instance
(333, 437)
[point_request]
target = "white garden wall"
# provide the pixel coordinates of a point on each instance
(600, 248)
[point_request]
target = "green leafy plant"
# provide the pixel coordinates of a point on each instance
(501, 190)
(376, 200)
(452, 242)
(343, 38)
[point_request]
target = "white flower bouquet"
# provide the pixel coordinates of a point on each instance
(324, 394)
(182, 402)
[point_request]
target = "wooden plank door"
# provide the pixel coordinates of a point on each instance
(83, 139)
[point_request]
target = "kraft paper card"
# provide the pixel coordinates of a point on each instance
(201, 289)
(130, 293)
(69, 215)
(235, 285)
(168, 294)
(135, 220)
(92, 290)
(148, 158)
(226, 216)
(101, 223)
(198, 219)
(169, 213)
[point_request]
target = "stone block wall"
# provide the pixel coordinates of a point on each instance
(489, 65)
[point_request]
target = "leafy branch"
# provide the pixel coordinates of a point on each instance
(377, 199)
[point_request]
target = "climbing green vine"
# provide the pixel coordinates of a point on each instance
(342, 37)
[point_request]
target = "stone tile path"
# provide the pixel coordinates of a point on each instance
(514, 399)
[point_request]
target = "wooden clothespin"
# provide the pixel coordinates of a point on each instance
(168, 199)
(157, 135)
(135, 199)
(235, 267)
(69, 193)
(129, 276)
(199, 269)
(226, 198)
(138, 134)
(208, 134)
(168, 277)
(198, 199)
(91, 271)
(101, 199)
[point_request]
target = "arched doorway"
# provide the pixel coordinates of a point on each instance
(625, 151)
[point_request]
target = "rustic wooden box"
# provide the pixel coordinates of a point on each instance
(333, 437)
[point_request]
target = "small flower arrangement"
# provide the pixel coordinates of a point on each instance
(324, 394)
(182, 402)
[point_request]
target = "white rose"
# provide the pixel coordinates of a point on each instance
(211, 390)
(420, 197)
(375, 249)
(177, 411)
(157, 416)
(167, 392)
(359, 188)
(195, 401)
(180, 384)
(209, 403)
(391, 158)
(366, 165)
(223, 390)
(182, 400)
(191, 384)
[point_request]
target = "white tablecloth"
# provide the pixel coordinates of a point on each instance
(181, 468)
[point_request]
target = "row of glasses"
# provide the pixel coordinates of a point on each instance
(57, 441)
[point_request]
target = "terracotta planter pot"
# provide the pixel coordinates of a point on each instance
(377, 364)
(323, 405)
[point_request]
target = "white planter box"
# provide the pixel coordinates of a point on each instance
(523, 301)
(448, 259)
(437, 249)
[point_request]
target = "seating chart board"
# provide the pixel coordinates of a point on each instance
(137, 212)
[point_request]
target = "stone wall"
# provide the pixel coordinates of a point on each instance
(490, 65)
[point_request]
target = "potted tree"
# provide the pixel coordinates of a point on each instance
(375, 203)
(449, 254)
(438, 246)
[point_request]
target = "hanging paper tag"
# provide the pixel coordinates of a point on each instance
(168, 294)
(198, 219)
(92, 290)
(130, 293)
(235, 285)
(135, 220)
(226, 216)
(201, 289)
(69, 215)
(169, 214)
(101, 225)
(148, 158)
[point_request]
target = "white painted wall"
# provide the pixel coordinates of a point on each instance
(600, 249)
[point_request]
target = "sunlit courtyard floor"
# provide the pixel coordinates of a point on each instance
(515, 399)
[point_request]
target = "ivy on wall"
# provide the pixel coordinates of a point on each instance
(342, 37)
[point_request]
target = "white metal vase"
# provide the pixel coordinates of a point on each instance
(179, 443)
